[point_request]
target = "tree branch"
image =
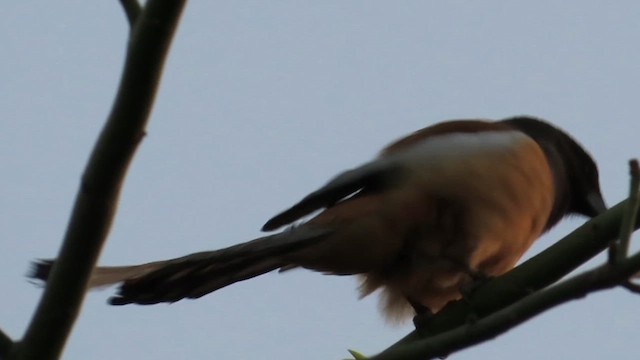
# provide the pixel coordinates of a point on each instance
(538, 272)
(6, 345)
(603, 277)
(132, 9)
(619, 249)
(97, 197)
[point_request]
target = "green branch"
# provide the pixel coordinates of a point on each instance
(619, 249)
(97, 197)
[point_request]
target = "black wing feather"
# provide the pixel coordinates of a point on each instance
(372, 176)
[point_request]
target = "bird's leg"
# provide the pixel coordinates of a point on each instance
(420, 321)
(423, 314)
(478, 278)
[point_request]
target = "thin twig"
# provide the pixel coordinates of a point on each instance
(621, 247)
(601, 278)
(132, 9)
(97, 197)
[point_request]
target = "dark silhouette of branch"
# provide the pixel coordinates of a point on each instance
(619, 249)
(97, 197)
(132, 9)
(538, 272)
(6, 344)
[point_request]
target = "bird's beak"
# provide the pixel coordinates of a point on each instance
(595, 204)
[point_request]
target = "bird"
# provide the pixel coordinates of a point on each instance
(434, 212)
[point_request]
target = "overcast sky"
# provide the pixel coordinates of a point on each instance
(263, 101)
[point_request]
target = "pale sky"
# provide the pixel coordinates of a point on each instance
(261, 103)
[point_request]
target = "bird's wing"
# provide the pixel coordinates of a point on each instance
(370, 177)
(377, 175)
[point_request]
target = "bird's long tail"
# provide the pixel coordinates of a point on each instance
(196, 275)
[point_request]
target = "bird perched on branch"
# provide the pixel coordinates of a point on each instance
(435, 210)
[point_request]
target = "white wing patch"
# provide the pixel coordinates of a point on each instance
(455, 145)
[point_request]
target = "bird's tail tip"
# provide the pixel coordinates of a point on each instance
(39, 270)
